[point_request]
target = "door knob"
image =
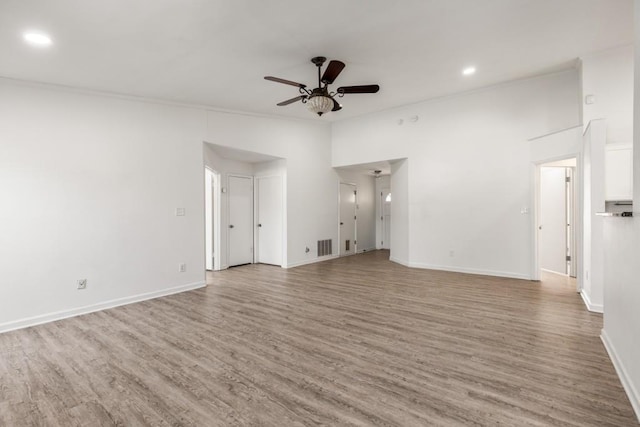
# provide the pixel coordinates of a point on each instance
(342, 223)
(259, 225)
(230, 225)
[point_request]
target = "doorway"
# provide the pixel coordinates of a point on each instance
(557, 217)
(240, 236)
(212, 219)
(347, 227)
(385, 217)
(269, 209)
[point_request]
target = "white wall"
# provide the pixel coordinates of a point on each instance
(366, 207)
(90, 184)
(621, 332)
(469, 169)
(89, 190)
(608, 76)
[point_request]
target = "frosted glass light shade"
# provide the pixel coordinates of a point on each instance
(320, 104)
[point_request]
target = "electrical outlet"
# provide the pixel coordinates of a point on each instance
(452, 254)
(82, 284)
(182, 268)
(180, 212)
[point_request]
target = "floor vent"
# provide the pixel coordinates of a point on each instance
(324, 247)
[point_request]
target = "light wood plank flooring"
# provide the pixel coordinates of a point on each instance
(353, 341)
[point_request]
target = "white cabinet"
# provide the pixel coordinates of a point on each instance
(618, 164)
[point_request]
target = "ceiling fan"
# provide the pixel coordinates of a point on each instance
(320, 100)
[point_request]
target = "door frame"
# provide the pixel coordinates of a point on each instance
(216, 200)
(578, 231)
(355, 221)
(253, 216)
(256, 218)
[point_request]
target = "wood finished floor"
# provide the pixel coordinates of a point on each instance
(353, 341)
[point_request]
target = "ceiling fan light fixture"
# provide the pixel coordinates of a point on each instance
(320, 104)
(321, 100)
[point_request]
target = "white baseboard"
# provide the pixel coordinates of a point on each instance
(627, 384)
(596, 308)
(311, 261)
(59, 315)
(454, 269)
(554, 272)
(399, 261)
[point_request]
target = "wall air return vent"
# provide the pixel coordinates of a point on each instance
(324, 247)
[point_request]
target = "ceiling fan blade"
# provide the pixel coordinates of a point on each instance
(336, 106)
(291, 101)
(359, 89)
(333, 70)
(287, 82)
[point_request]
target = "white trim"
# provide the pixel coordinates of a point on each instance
(59, 315)
(312, 261)
(555, 132)
(554, 272)
(596, 308)
(148, 100)
(465, 270)
(399, 261)
(625, 379)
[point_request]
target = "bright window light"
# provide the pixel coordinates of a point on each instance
(469, 71)
(37, 39)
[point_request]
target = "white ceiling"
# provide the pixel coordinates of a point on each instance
(216, 52)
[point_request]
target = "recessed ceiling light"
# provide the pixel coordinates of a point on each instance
(37, 39)
(469, 71)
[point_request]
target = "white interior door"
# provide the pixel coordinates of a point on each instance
(571, 223)
(385, 203)
(553, 245)
(347, 219)
(240, 193)
(269, 227)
